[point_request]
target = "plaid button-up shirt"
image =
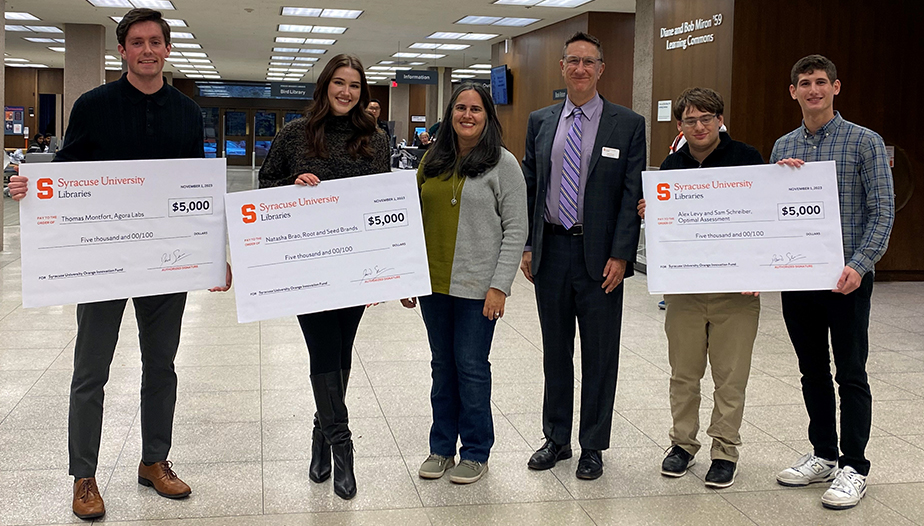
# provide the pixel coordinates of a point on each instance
(864, 183)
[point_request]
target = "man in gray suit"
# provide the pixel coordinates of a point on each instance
(583, 165)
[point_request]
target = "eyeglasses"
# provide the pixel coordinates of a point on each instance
(572, 61)
(705, 120)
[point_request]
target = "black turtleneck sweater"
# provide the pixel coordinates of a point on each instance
(728, 153)
(289, 155)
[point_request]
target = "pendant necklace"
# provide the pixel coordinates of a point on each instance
(453, 201)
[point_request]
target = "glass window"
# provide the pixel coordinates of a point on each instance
(235, 148)
(291, 116)
(264, 123)
(261, 148)
(235, 123)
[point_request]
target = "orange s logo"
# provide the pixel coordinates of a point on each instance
(664, 192)
(248, 213)
(45, 190)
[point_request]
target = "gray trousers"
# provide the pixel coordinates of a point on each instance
(159, 319)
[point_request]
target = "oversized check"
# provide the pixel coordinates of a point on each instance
(94, 231)
(300, 249)
(743, 228)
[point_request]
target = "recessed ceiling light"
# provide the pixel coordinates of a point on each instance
(186, 45)
(386, 62)
(211, 76)
(447, 35)
(462, 76)
(45, 29)
(200, 60)
(454, 47)
(176, 59)
(9, 59)
(296, 70)
(313, 51)
(293, 28)
(114, 64)
(478, 36)
(112, 57)
(480, 66)
(478, 20)
(61, 50)
(59, 40)
(515, 22)
(194, 76)
(424, 45)
(13, 15)
(277, 69)
(182, 35)
(307, 59)
(282, 57)
(24, 29)
(175, 22)
(40, 40)
(517, 2)
(285, 50)
(280, 63)
(375, 78)
(320, 41)
(380, 68)
(430, 55)
(401, 68)
(37, 65)
(562, 3)
(331, 30)
(164, 5)
(290, 40)
(199, 54)
(203, 66)
(301, 11)
(112, 68)
(110, 3)
(341, 13)
(405, 55)
(416, 63)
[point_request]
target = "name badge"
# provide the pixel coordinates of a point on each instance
(612, 153)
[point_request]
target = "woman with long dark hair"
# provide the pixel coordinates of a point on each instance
(337, 138)
(473, 196)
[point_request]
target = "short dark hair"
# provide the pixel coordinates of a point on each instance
(581, 36)
(375, 101)
(142, 14)
(806, 65)
(443, 158)
(703, 99)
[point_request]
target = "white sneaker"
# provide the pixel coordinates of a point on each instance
(808, 470)
(846, 490)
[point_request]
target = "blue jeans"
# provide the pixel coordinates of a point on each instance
(460, 341)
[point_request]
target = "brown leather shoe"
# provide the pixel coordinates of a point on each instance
(88, 503)
(161, 477)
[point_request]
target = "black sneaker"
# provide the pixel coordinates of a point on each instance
(721, 474)
(676, 462)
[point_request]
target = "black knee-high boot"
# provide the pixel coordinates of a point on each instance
(332, 415)
(319, 469)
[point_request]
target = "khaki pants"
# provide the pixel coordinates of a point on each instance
(722, 327)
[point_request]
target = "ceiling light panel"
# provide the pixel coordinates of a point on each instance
(280, 63)
(301, 11)
(282, 57)
(330, 30)
(424, 45)
(515, 22)
(341, 13)
(480, 66)
(45, 29)
(320, 41)
(199, 60)
(110, 3)
(285, 50)
(23, 29)
(293, 28)
(517, 2)
(112, 57)
(416, 63)
(478, 20)
(13, 15)
(177, 59)
(447, 35)
(61, 50)
(386, 62)
(562, 3)
(186, 45)
(312, 51)
(175, 22)
(114, 64)
(454, 47)
(478, 36)
(181, 35)
(163, 5)
(40, 40)
(405, 55)
(10, 59)
(289, 40)
(306, 59)
(198, 54)
(380, 68)
(430, 55)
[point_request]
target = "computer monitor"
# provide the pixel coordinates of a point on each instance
(52, 144)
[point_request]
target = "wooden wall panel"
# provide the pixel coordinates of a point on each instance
(534, 58)
(417, 105)
(51, 81)
(380, 92)
(874, 49)
(20, 90)
(705, 65)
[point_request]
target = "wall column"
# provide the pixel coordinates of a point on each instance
(84, 58)
(399, 104)
(642, 71)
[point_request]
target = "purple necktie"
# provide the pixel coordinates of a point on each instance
(571, 173)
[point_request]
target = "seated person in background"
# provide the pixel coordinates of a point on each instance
(375, 109)
(38, 144)
(423, 141)
(48, 137)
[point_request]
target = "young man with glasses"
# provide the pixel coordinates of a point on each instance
(867, 206)
(583, 164)
(720, 326)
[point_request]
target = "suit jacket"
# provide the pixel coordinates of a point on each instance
(613, 186)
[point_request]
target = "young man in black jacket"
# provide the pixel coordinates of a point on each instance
(721, 326)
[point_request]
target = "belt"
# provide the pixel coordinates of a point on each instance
(576, 230)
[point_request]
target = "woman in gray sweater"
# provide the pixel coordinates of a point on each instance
(473, 197)
(336, 139)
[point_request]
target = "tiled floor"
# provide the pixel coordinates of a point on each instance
(242, 431)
